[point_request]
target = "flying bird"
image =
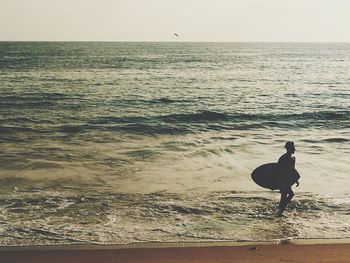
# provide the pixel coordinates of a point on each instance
(176, 35)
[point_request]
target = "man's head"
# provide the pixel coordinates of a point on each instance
(290, 147)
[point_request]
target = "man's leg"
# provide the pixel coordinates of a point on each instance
(289, 197)
(282, 204)
(286, 197)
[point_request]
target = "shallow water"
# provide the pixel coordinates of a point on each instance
(134, 142)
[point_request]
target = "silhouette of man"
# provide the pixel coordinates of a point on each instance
(287, 159)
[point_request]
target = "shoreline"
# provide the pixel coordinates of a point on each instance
(155, 245)
(216, 252)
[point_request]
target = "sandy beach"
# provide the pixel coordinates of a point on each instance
(336, 252)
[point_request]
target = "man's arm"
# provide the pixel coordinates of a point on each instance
(293, 161)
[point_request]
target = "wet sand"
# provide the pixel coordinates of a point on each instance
(186, 253)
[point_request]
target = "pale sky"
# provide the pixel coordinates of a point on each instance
(193, 20)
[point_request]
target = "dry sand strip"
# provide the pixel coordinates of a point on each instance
(214, 254)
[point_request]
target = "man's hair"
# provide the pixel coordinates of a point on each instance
(289, 145)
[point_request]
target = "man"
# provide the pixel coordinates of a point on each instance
(287, 159)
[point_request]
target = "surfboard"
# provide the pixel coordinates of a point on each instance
(274, 176)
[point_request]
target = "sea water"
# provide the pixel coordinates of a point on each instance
(115, 143)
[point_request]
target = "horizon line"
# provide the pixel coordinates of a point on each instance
(163, 41)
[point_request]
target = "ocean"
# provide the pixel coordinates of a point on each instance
(119, 143)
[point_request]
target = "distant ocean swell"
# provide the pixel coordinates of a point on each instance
(181, 123)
